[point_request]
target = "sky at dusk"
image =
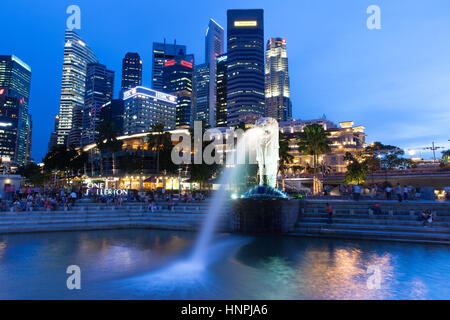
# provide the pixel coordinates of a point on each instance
(394, 81)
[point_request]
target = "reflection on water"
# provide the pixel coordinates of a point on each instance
(150, 264)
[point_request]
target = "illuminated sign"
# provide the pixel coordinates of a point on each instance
(2, 91)
(169, 63)
(165, 97)
(222, 58)
(99, 189)
(4, 124)
(142, 91)
(252, 23)
(186, 64)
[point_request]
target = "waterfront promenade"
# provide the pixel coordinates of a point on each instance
(351, 219)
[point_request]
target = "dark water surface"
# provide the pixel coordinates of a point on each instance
(153, 264)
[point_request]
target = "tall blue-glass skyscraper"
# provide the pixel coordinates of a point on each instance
(214, 43)
(245, 83)
(15, 122)
(77, 55)
(99, 90)
(178, 78)
(161, 53)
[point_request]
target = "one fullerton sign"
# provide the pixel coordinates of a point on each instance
(101, 190)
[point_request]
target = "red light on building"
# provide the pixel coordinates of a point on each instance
(186, 64)
(169, 63)
(2, 91)
(284, 41)
(22, 100)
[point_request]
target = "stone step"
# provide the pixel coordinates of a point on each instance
(373, 234)
(383, 216)
(103, 219)
(97, 226)
(410, 222)
(417, 229)
(67, 214)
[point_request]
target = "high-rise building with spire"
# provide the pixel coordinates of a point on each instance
(278, 103)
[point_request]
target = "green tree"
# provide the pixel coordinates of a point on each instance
(57, 159)
(446, 155)
(161, 143)
(34, 174)
(356, 170)
(314, 141)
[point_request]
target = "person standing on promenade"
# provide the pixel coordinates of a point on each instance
(388, 191)
(356, 192)
(330, 213)
(405, 193)
(398, 192)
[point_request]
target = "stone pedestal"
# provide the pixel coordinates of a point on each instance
(270, 216)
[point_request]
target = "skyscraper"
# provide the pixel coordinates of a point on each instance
(178, 74)
(113, 112)
(202, 84)
(145, 107)
(161, 53)
(214, 43)
(77, 55)
(54, 135)
(221, 91)
(131, 71)
(15, 80)
(278, 103)
(245, 83)
(99, 90)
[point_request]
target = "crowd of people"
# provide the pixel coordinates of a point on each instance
(40, 198)
(383, 191)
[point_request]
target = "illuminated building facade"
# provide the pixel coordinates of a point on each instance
(77, 55)
(278, 104)
(131, 71)
(214, 44)
(54, 135)
(245, 82)
(202, 82)
(161, 53)
(221, 91)
(99, 90)
(144, 107)
(178, 76)
(344, 138)
(15, 81)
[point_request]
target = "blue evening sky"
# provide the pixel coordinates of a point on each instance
(394, 81)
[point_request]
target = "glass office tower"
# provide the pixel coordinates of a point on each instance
(15, 81)
(178, 76)
(161, 53)
(77, 55)
(214, 43)
(278, 103)
(131, 71)
(245, 83)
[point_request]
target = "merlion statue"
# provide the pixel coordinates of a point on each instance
(267, 151)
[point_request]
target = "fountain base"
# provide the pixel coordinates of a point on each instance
(269, 216)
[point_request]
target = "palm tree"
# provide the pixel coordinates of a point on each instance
(314, 142)
(284, 155)
(158, 141)
(107, 142)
